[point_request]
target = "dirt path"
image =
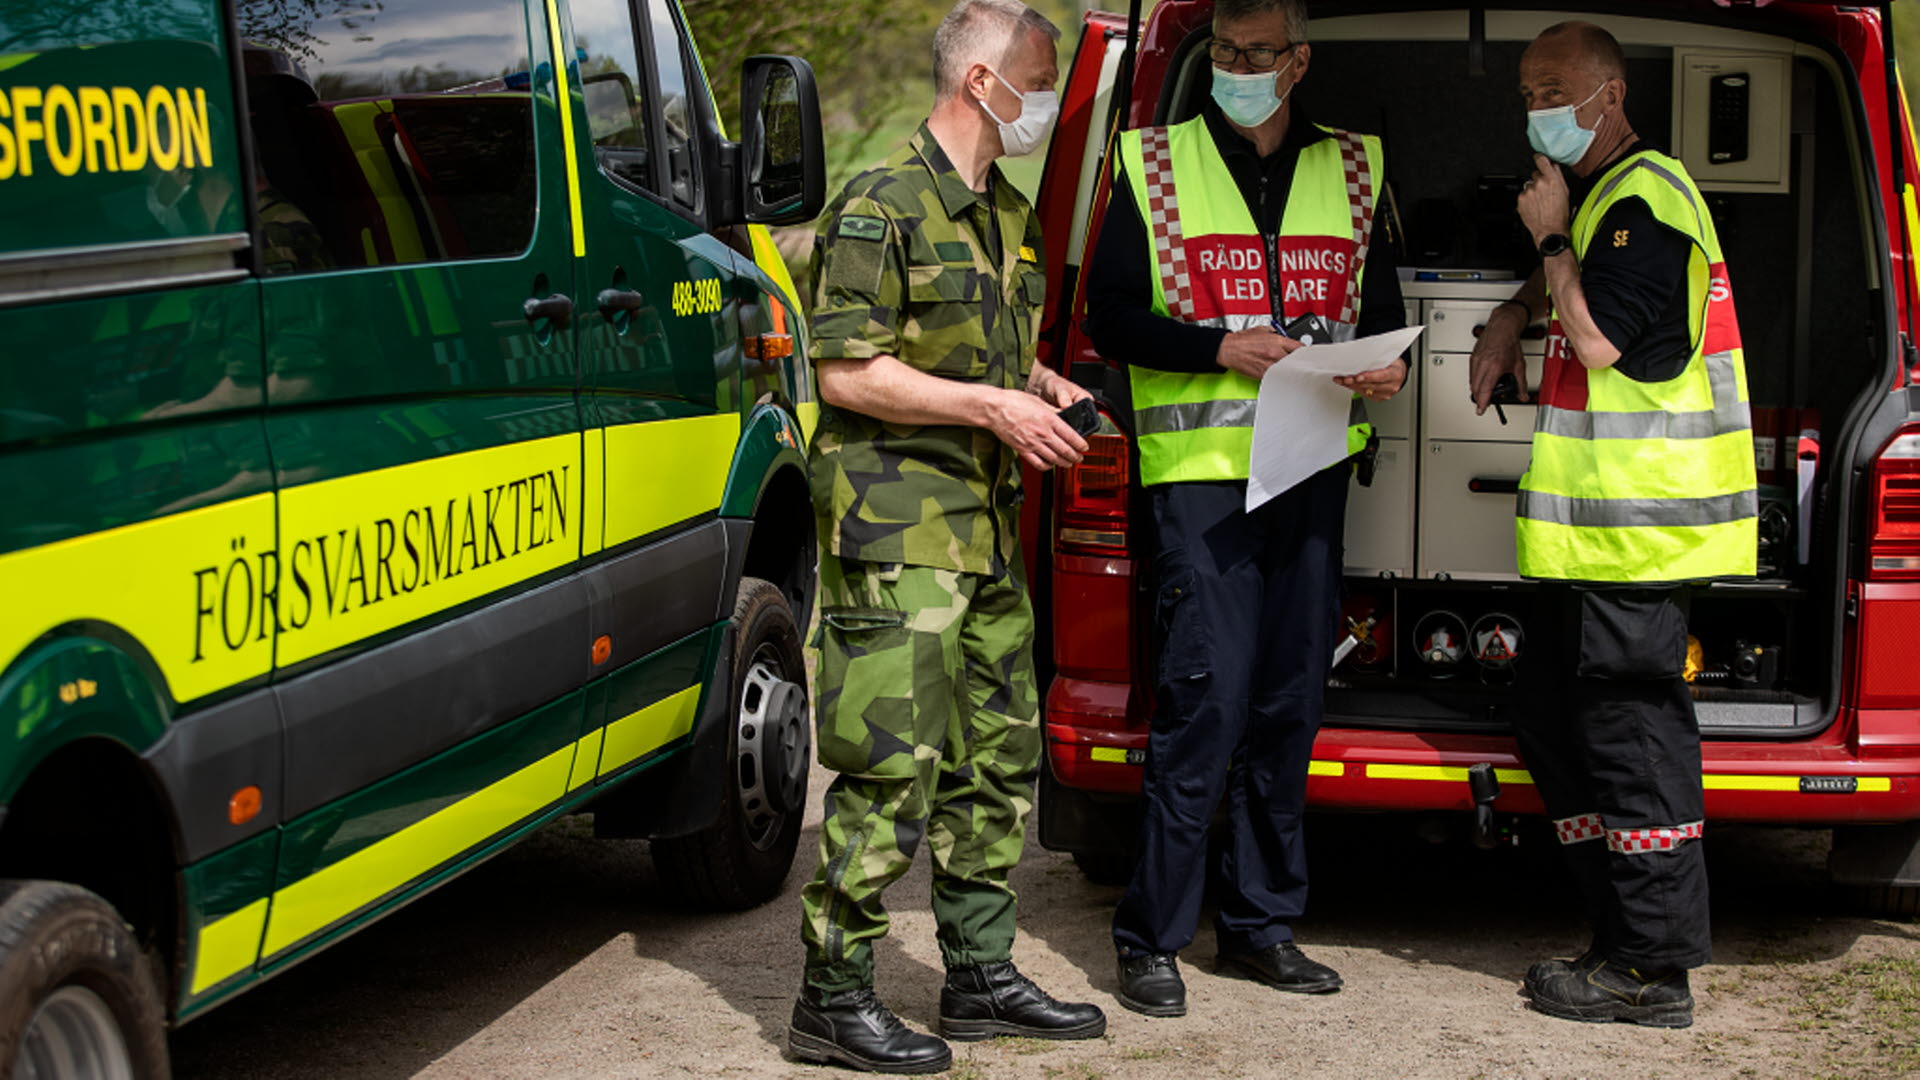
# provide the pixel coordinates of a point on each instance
(556, 960)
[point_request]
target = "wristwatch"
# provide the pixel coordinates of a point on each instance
(1554, 244)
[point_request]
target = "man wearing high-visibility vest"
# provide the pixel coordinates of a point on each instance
(1642, 481)
(1220, 231)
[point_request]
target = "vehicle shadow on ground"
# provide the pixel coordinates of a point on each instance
(405, 992)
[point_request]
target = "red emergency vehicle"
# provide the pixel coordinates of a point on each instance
(1790, 118)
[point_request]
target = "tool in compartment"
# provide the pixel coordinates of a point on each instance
(1506, 391)
(1495, 642)
(1440, 638)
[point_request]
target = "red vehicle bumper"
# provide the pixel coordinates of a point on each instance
(1838, 777)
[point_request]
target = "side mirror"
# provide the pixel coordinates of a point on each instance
(782, 171)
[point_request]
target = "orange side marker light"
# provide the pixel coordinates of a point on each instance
(245, 805)
(602, 649)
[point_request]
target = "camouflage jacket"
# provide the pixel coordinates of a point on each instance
(904, 265)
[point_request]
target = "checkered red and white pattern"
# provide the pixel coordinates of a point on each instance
(1575, 829)
(1163, 215)
(1360, 198)
(1641, 841)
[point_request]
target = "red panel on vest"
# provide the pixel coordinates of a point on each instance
(1723, 330)
(1563, 378)
(1228, 275)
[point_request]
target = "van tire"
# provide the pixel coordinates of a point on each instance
(1891, 901)
(742, 859)
(71, 973)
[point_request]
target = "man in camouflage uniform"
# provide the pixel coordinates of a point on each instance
(927, 289)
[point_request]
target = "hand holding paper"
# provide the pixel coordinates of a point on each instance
(1300, 420)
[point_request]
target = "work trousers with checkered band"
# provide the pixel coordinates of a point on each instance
(1608, 731)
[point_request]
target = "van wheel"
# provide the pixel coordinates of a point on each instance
(1891, 901)
(78, 998)
(742, 859)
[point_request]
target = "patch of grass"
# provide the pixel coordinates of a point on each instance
(1021, 1044)
(1077, 1071)
(1150, 1053)
(966, 1069)
(1867, 1013)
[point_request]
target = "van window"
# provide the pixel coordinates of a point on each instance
(617, 91)
(677, 110)
(386, 133)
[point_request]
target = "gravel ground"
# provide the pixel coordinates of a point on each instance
(560, 959)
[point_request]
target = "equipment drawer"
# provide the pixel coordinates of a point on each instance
(1467, 496)
(1380, 517)
(1447, 408)
(1454, 325)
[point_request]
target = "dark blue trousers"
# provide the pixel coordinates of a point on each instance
(1245, 617)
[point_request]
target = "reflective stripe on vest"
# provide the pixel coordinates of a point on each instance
(1645, 481)
(1210, 268)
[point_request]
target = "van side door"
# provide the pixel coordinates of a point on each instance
(425, 434)
(660, 353)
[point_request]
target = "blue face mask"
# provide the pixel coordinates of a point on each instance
(1248, 100)
(1555, 133)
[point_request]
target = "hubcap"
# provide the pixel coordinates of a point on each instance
(776, 747)
(73, 1035)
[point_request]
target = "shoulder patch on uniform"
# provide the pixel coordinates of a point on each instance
(860, 227)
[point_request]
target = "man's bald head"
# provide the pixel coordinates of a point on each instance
(1584, 46)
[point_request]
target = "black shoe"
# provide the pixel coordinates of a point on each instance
(1150, 984)
(1285, 967)
(985, 1000)
(1545, 969)
(852, 1028)
(1609, 991)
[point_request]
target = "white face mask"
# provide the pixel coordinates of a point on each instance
(1038, 110)
(1248, 100)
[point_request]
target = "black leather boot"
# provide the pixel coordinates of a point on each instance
(985, 1000)
(1150, 984)
(1285, 967)
(1546, 969)
(852, 1028)
(1608, 991)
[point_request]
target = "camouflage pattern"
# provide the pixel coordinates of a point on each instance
(289, 240)
(929, 713)
(911, 263)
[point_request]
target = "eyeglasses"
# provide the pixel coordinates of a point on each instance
(1259, 58)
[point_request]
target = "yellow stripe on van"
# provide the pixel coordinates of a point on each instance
(187, 587)
(1326, 768)
(1726, 782)
(324, 897)
(363, 554)
(662, 472)
(586, 759)
(1451, 773)
(228, 945)
(643, 732)
(561, 95)
(808, 413)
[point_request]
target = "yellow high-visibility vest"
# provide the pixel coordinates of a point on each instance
(1646, 481)
(1211, 270)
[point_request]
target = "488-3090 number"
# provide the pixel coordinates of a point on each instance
(696, 297)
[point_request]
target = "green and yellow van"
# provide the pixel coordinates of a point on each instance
(402, 426)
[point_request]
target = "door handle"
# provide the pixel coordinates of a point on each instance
(556, 308)
(618, 302)
(1494, 485)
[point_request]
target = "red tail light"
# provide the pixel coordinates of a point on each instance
(1093, 497)
(1893, 550)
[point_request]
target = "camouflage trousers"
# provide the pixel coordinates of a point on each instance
(927, 710)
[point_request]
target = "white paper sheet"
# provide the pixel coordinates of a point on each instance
(1300, 420)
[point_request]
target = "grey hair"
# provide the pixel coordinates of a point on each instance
(1232, 10)
(980, 32)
